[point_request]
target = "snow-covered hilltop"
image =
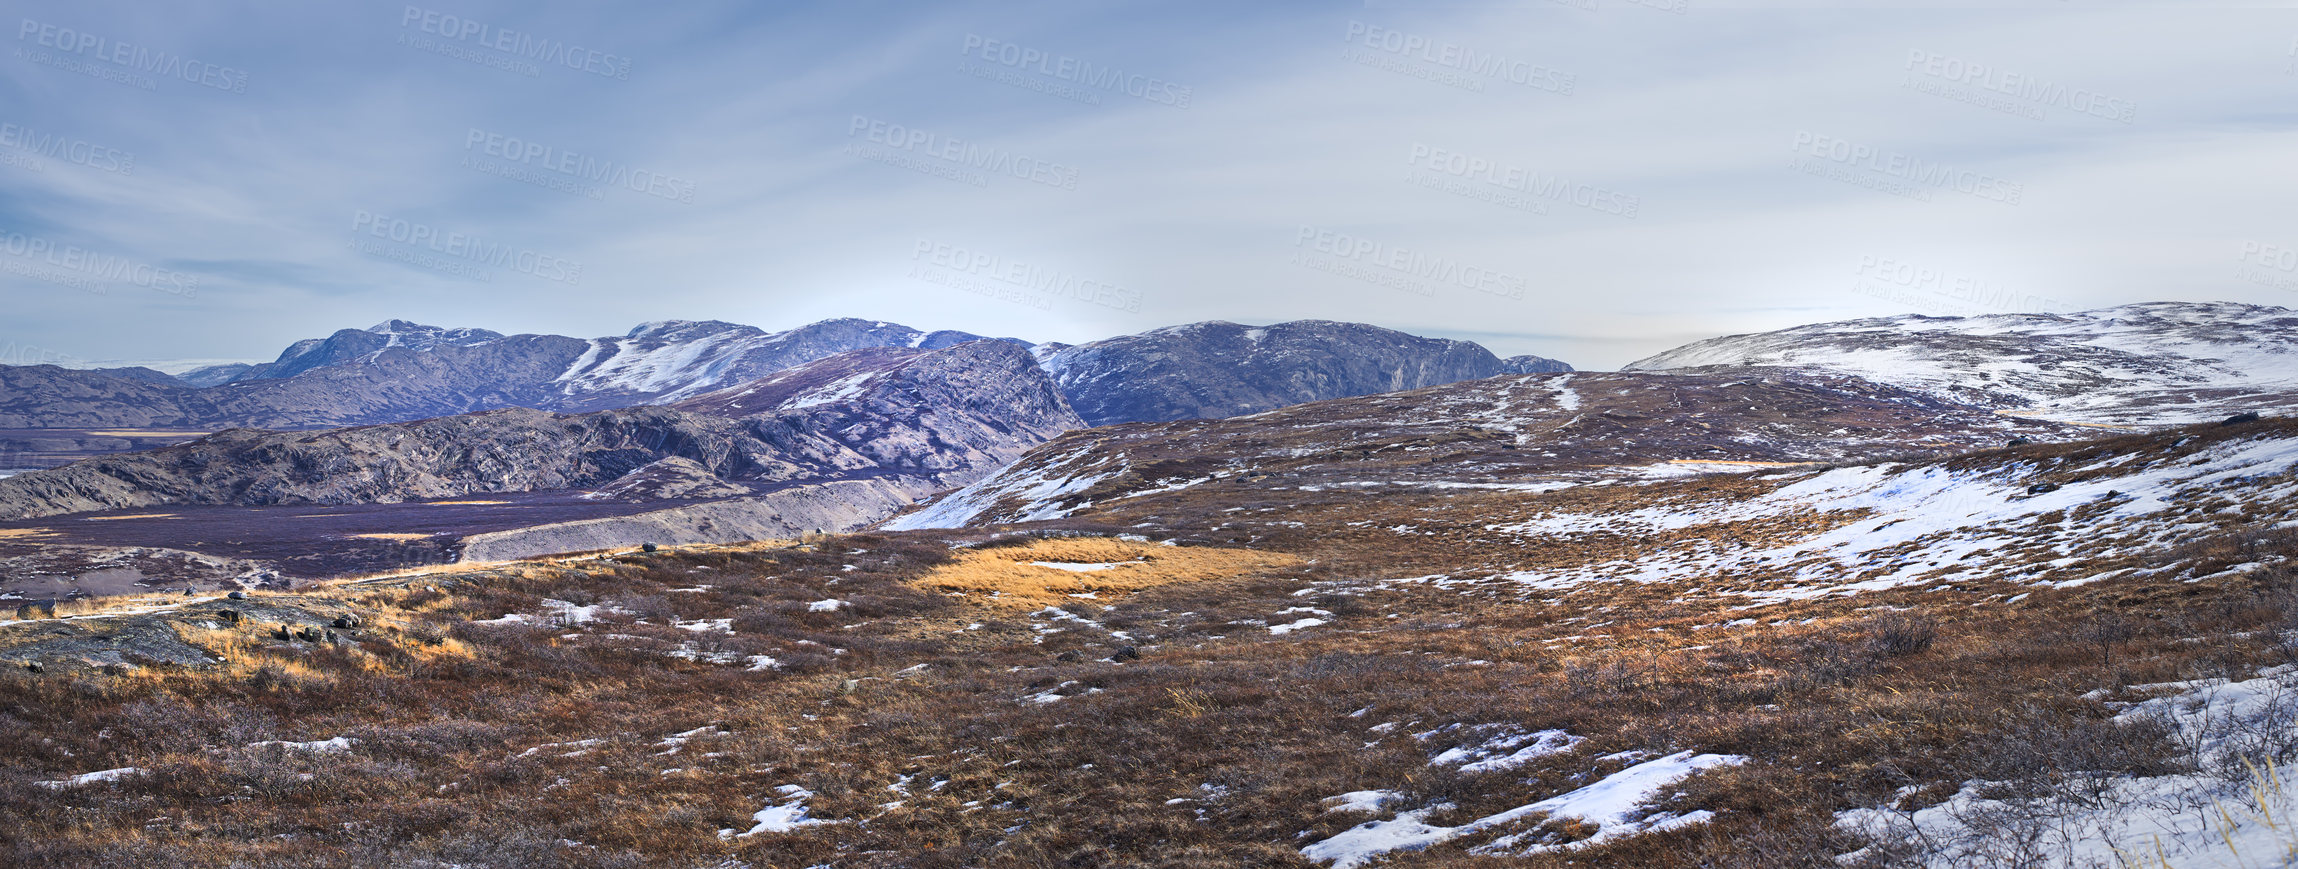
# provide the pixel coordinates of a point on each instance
(2147, 364)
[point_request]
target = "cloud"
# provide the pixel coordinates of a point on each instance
(1784, 166)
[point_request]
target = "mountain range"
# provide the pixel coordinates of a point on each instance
(926, 419)
(699, 431)
(397, 371)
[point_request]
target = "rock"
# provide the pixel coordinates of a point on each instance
(2240, 418)
(649, 548)
(237, 595)
(2040, 488)
(1127, 653)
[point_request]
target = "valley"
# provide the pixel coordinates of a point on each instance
(905, 606)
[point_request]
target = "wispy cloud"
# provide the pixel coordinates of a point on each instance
(708, 163)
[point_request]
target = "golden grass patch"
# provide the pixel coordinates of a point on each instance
(15, 533)
(390, 535)
(132, 516)
(1019, 575)
(463, 503)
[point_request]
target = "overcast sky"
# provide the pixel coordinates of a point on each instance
(1593, 180)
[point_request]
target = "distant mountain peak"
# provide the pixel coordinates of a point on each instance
(657, 328)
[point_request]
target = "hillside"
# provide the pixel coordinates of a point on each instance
(2162, 363)
(1745, 669)
(1522, 433)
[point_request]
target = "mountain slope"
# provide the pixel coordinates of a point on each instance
(933, 418)
(2147, 364)
(397, 371)
(1521, 433)
(1219, 369)
(350, 346)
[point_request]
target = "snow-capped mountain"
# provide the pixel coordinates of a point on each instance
(350, 346)
(677, 359)
(2147, 364)
(918, 420)
(398, 371)
(1219, 369)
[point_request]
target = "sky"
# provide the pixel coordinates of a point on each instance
(1589, 180)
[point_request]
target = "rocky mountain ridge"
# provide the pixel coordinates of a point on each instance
(933, 418)
(399, 371)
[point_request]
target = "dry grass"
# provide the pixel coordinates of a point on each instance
(935, 731)
(1011, 575)
(134, 516)
(906, 710)
(391, 535)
